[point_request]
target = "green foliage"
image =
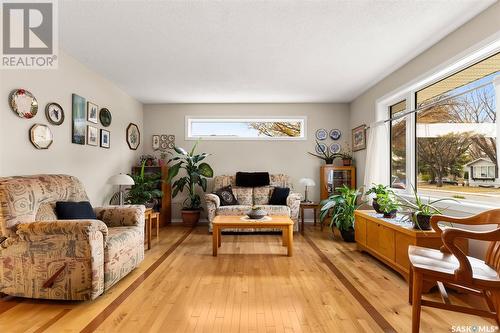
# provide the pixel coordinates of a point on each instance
(418, 207)
(197, 173)
(387, 202)
(145, 189)
(379, 189)
(326, 154)
(342, 208)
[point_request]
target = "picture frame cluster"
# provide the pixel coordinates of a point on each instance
(84, 112)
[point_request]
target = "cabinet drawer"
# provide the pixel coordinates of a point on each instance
(360, 230)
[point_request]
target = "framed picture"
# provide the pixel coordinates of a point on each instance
(156, 142)
(92, 136)
(92, 112)
(54, 113)
(79, 124)
(359, 138)
(105, 117)
(335, 134)
(321, 134)
(41, 136)
(105, 139)
(133, 136)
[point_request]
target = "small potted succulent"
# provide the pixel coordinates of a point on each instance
(378, 190)
(388, 205)
(346, 155)
(326, 154)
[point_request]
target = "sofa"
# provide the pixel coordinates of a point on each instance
(43, 257)
(253, 196)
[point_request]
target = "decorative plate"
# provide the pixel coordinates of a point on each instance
(23, 103)
(321, 146)
(321, 134)
(105, 117)
(54, 113)
(335, 148)
(335, 134)
(41, 136)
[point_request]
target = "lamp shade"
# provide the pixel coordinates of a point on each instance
(307, 182)
(121, 179)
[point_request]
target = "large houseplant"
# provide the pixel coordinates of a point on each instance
(196, 174)
(342, 208)
(145, 190)
(379, 190)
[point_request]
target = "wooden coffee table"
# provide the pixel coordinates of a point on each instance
(277, 222)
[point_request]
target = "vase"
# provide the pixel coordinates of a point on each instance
(256, 213)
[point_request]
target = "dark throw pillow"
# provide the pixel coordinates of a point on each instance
(69, 210)
(252, 179)
(279, 196)
(226, 196)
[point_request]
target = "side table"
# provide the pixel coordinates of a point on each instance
(149, 216)
(307, 205)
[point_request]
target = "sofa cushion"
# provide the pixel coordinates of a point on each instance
(244, 195)
(276, 210)
(69, 210)
(226, 196)
(262, 194)
(252, 179)
(279, 196)
(46, 212)
(123, 252)
(243, 210)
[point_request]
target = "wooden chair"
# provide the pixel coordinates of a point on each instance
(451, 267)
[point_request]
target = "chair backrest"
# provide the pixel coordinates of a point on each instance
(22, 196)
(280, 180)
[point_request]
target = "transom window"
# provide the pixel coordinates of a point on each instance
(246, 128)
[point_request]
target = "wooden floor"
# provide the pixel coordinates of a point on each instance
(327, 286)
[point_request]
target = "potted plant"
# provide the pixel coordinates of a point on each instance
(326, 154)
(420, 211)
(343, 206)
(346, 156)
(196, 175)
(149, 160)
(378, 190)
(145, 190)
(388, 205)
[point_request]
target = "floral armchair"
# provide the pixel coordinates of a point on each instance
(256, 196)
(42, 257)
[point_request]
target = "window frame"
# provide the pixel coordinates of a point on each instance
(190, 119)
(475, 54)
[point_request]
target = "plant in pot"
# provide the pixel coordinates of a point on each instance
(378, 190)
(421, 212)
(388, 205)
(341, 207)
(145, 190)
(346, 155)
(197, 173)
(326, 154)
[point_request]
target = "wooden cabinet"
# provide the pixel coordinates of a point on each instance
(165, 204)
(334, 177)
(388, 241)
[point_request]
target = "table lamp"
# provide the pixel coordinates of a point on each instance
(121, 180)
(307, 182)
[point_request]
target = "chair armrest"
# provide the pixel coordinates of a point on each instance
(118, 216)
(464, 271)
(212, 198)
(81, 229)
(293, 198)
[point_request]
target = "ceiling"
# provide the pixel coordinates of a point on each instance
(254, 51)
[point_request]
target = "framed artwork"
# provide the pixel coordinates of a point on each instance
(92, 112)
(92, 136)
(79, 124)
(156, 142)
(23, 103)
(41, 136)
(335, 134)
(105, 138)
(105, 117)
(359, 138)
(54, 113)
(335, 148)
(167, 141)
(133, 136)
(321, 134)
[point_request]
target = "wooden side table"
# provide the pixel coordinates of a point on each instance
(149, 216)
(307, 205)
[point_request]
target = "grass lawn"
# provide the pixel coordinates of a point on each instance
(463, 189)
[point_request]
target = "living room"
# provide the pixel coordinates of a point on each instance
(212, 166)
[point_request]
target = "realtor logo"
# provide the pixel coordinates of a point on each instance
(29, 34)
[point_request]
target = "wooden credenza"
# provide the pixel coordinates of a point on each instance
(388, 241)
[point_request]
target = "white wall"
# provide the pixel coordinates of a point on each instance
(228, 157)
(479, 28)
(93, 165)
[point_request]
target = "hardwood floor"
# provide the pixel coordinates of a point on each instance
(252, 286)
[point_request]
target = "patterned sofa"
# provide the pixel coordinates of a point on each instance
(248, 197)
(42, 257)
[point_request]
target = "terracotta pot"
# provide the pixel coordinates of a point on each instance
(347, 162)
(421, 222)
(190, 218)
(376, 206)
(391, 214)
(348, 235)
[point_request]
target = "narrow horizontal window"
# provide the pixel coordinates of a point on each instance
(246, 128)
